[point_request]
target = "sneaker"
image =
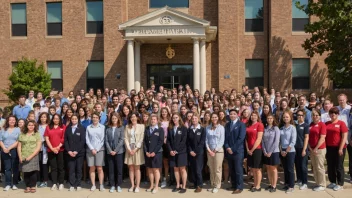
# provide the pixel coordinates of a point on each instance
(338, 187)
(163, 183)
(71, 189)
(136, 190)
(119, 189)
(112, 189)
(43, 185)
(54, 187)
(331, 186)
(101, 187)
(7, 188)
(215, 190)
(299, 184)
(61, 187)
(288, 191)
(303, 187)
(79, 188)
(318, 188)
(93, 188)
(210, 189)
(14, 187)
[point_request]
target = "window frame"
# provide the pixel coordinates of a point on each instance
(88, 24)
(297, 22)
(150, 7)
(23, 25)
(255, 20)
(301, 78)
(53, 80)
(249, 79)
(53, 23)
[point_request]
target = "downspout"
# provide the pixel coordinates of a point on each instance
(268, 40)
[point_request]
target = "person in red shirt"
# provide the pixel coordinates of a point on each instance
(54, 137)
(336, 136)
(254, 134)
(317, 148)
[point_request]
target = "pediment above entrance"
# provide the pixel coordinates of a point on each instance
(168, 23)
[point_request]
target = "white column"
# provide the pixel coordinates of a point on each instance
(196, 69)
(130, 65)
(203, 67)
(137, 66)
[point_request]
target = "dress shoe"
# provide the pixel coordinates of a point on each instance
(198, 189)
(237, 191)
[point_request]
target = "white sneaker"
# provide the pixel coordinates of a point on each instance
(61, 187)
(215, 190)
(112, 189)
(7, 188)
(163, 183)
(54, 187)
(119, 189)
(93, 188)
(299, 184)
(136, 190)
(331, 186)
(210, 189)
(288, 191)
(14, 187)
(338, 187)
(79, 188)
(101, 187)
(71, 189)
(303, 187)
(318, 188)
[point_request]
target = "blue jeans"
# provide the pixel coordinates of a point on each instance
(301, 164)
(11, 164)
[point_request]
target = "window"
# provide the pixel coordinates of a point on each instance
(54, 18)
(254, 14)
(95, 22)
(55, 69)
(300, 73)
(95, 75)
(14, 65)
(18, 19)
(170, 3)
(254, 73)
(299, 17)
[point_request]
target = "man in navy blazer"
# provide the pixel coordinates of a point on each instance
(235, 133)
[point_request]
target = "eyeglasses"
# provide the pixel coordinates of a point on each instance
(299, 115)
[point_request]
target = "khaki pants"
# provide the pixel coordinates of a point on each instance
(215, 167)
(318, 167)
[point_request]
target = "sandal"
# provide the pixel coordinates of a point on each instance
(27, 190)
(33, 190)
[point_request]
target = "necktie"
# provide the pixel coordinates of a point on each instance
(232, 125)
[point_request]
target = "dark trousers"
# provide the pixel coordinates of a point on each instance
(30, 179)
(115, 164)
(43, 174)
(11, 166)
(288, 163)
(196, 167)
(349, 149)
(335, 165)
(57, 167)
(301, 164)
(236, 170)
(75, 167)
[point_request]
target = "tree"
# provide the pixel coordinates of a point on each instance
(331, 34)
(26, 76)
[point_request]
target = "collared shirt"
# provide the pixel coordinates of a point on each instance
(175, 130)
(288, 137)
(103, 118)
(64, 100)
(325, 117)
(41, 129)
(21, 112)
(9, 138)
(152, 129)
(345, 114)
(95, 137)
(194, 129)
(215, 138)
(74, 127)
(113, 132)
(233, 122)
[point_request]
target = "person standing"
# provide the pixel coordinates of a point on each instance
(214, 143)
(301, 147)
(317, 149)
(115, 150)
(235, 134)
(153, 141)
(29, 145)
(336, 136)
(177, 146)
(43, 122)
(288, 139)
(134, 157)
(54, 138)
(195, 142)
(95, 134)
(8, 143)
(75, 141)
(21, 110)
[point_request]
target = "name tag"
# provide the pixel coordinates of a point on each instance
(198, 133)
(157, 134)
(78, 133)
(337, 126)
(236, 127)
(179, 132)
(301, 127)
(255, 129)
(61, 129)
(316, 125)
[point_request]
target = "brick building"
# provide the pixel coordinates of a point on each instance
(133, 43)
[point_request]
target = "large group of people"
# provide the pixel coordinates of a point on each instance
(177, 137)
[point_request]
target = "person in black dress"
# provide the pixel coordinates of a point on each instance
(177, 145)
(153, 142)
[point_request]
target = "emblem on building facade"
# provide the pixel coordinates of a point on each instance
(165, 20)
(170, 53)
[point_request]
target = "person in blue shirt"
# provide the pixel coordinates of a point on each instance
(99, 109)
(21, 110)
(62, 98)
(302, 101)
